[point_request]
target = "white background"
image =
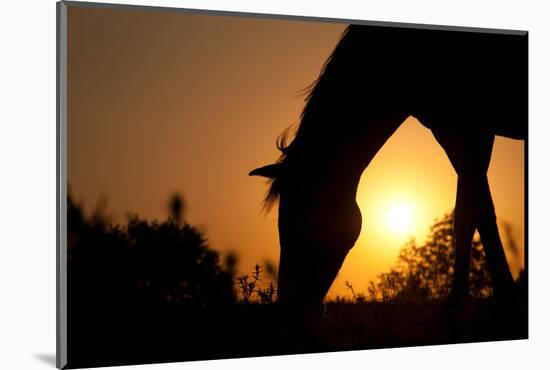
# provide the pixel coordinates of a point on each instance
(27, 182)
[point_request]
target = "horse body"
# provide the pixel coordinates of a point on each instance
(456, 84)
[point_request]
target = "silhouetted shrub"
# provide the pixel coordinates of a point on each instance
(253, 289)
(426, 271)
(142, 262)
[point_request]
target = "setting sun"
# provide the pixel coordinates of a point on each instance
(399, 218)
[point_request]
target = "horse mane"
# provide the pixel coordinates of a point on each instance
(290, 148)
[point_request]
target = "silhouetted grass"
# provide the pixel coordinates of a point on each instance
(147, 292)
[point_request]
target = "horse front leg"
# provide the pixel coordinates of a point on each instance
(470, 154)
(475, 210)
(464, 228)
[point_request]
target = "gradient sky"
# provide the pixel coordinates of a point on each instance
(162, 102)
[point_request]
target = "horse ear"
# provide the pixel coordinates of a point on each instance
(270, 171)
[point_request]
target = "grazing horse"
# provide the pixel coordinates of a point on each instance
(466, 87)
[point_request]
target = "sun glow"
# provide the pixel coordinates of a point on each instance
(399, 217)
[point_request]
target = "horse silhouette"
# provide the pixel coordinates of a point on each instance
(466, 86)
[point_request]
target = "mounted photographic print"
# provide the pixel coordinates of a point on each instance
(235, 185)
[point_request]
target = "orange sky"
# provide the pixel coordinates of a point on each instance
(162, 102)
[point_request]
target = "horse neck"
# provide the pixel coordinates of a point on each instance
(340, 156)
